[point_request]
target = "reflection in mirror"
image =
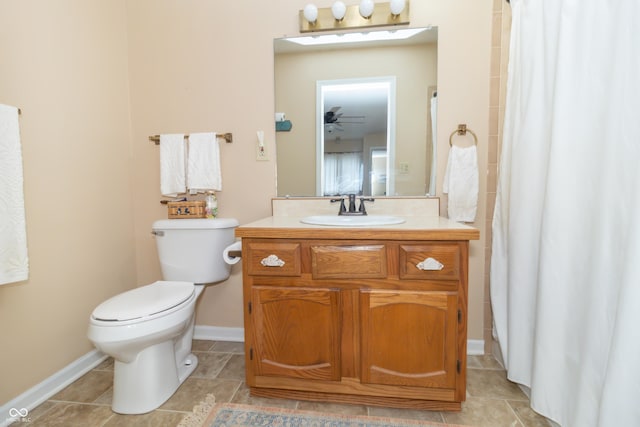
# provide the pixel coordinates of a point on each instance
(357, 114)
(346, 139)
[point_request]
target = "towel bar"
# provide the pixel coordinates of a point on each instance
(228, 136)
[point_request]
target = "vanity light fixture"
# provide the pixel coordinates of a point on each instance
(366, 8)
(339, 9)
(396, 6)
(363, 15)
(310, 13)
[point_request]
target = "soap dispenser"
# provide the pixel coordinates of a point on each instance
(211, 208)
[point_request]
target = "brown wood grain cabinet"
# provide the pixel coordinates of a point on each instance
(367, 321)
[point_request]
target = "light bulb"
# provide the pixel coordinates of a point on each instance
(366, 8)
(338, 9)
(397, 6)
(311, 13)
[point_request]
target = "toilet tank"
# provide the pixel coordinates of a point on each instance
(190, 250)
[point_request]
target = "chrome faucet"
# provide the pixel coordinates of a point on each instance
(343, 210)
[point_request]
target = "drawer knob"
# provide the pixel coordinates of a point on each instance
(272, 261)
(430, 264)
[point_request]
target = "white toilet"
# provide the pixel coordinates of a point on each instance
(148, 330)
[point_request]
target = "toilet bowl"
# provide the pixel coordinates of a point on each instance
(148, 330)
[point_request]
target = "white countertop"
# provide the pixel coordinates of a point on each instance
(415, 227)
(420, 214)
(411, 223)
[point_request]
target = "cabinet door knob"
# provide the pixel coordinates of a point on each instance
(272, 261)
(430, 264)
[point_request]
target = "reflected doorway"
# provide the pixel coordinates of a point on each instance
(378, 174)
(355, 130)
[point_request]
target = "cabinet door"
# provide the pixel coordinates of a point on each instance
(409, 338)
(296, 332)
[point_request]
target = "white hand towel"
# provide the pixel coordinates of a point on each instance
(461, 183)
(172, 161)
(203, 169)
(14, 260)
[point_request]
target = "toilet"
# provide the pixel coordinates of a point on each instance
(148, 330)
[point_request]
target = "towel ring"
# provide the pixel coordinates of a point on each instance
(462, 130)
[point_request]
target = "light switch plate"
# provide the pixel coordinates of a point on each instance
(261, 147)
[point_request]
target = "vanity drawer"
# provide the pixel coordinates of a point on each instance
(273, 259)
(430, 262)
(349, 262)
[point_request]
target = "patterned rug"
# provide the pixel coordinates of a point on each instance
(209, 414)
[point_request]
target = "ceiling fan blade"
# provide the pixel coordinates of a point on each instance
(330, 117)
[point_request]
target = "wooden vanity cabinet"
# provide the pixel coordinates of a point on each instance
(296, 332)
(408, 338)
(356, 320)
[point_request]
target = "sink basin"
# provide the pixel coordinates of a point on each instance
(352, 221)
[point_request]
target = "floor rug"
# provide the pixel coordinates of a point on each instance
(209, 414)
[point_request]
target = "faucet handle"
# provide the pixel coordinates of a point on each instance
(362, 208)
(342, 208)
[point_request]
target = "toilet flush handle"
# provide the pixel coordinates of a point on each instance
(157, 233)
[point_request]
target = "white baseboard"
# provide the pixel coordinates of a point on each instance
(218, 333)
(50, 386)
(475, 347)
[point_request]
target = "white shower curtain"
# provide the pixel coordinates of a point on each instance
(565, 269)
(342, 173)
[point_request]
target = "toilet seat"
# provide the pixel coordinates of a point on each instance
(144, 301)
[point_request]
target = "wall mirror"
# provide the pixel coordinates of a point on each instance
(362, 114)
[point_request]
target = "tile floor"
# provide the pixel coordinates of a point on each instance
(492, 401)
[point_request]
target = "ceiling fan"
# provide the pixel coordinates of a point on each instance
(335, 119)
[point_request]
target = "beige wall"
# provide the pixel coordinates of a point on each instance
(64, 63)
(193, 65)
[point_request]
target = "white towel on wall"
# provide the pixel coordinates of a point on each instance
(172, 165)
(461, 183)
(14, 260)
(203, 167)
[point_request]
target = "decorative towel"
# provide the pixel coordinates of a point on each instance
(461, 183)
(14, 262)
(172, 161)
(203, 170)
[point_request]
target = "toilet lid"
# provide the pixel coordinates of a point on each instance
(144, 301)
